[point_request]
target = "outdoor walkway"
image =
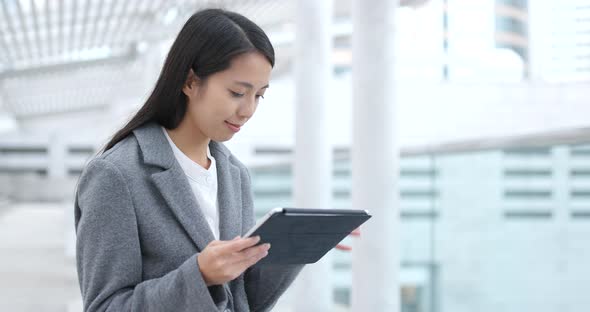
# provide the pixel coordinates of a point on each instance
(37, 266)
(35, 273)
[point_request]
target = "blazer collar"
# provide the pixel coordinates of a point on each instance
(156, 150)
(175, 188)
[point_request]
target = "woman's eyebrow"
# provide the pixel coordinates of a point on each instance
(248, 85)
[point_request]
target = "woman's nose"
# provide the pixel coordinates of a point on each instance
(248, 108)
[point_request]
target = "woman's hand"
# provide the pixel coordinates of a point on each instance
(223, 261)
(356, 232)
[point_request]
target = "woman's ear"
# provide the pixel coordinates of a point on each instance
(191, 85)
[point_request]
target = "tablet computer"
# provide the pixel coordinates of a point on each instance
(300, 236)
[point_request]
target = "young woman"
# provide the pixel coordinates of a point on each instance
(160, 211)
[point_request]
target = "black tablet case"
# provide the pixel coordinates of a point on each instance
(301, 236)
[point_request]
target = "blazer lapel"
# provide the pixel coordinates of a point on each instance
(175, 188)
(229, 193)
(173, 183)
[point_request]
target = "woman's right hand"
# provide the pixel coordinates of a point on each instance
(223, 261)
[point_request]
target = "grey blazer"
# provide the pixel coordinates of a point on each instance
(139, 231)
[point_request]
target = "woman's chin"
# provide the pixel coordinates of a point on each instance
(223, 138)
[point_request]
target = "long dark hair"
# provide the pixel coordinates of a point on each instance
(206, 44)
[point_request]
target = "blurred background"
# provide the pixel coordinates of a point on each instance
(489, 139)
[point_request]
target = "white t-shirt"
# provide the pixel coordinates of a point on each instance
(203, 182)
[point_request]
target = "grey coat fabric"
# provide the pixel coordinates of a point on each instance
(139, 231)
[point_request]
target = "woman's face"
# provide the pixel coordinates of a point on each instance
(218, 106)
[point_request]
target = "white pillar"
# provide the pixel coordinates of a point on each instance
(8, 122)
(540, 49)
(57, 155)
(375, 157)
(153, 56)
(313, 151)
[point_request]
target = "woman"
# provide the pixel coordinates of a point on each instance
(160, 211)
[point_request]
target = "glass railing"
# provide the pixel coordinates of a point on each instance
(494, 229)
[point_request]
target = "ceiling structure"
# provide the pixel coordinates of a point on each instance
(60, 56)
(38, 33)
(69, 55)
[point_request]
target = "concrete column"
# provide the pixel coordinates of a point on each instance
(7, 121)
(313, 151)
(153, 56)
(539, 39)
(57, 155)
(375, 157)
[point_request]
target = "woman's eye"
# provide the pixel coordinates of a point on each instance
(258, 96)
(236, 94)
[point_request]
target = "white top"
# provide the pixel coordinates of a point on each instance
(203, 182)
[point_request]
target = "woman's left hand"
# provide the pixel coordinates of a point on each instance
(356, 232)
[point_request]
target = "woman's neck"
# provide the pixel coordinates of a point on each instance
(192, 143)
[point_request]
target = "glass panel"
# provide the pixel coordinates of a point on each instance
(499, 230)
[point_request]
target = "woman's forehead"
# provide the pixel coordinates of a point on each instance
(248, 68)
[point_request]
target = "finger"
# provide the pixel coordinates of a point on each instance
(343, 247)
(356, 232)
(240, 256)
(252, 252)
(241, 244)
(248, 262)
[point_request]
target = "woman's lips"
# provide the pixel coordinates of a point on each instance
(233, 127)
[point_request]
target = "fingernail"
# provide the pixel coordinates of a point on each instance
(267, 246)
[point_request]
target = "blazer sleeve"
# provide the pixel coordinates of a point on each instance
(264, 284)
(109, 254)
